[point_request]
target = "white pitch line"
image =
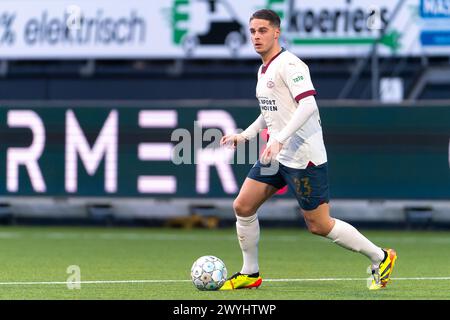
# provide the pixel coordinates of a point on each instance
(179, 281)
(90, 282)
(352, 279)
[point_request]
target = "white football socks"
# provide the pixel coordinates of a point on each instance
(348, 237)
(248, 235)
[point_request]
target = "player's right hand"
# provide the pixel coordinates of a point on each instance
(231, 140)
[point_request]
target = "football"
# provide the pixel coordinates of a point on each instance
(208, 273)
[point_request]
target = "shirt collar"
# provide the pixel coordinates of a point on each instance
(264, 67)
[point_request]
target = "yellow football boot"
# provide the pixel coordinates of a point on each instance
(381, 275)
(242, 281)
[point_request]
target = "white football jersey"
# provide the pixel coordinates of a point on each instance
(282, 83)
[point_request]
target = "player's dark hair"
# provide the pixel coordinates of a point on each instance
(267, 14)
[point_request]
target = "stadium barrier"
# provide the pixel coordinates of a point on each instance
(161, 159)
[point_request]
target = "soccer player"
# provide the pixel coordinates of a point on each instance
(296, 150)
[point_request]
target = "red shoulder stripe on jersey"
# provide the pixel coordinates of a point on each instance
(305, 94)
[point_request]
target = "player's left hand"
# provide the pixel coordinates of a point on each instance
(271, 151)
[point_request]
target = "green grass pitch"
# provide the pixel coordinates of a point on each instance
(154, 264)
